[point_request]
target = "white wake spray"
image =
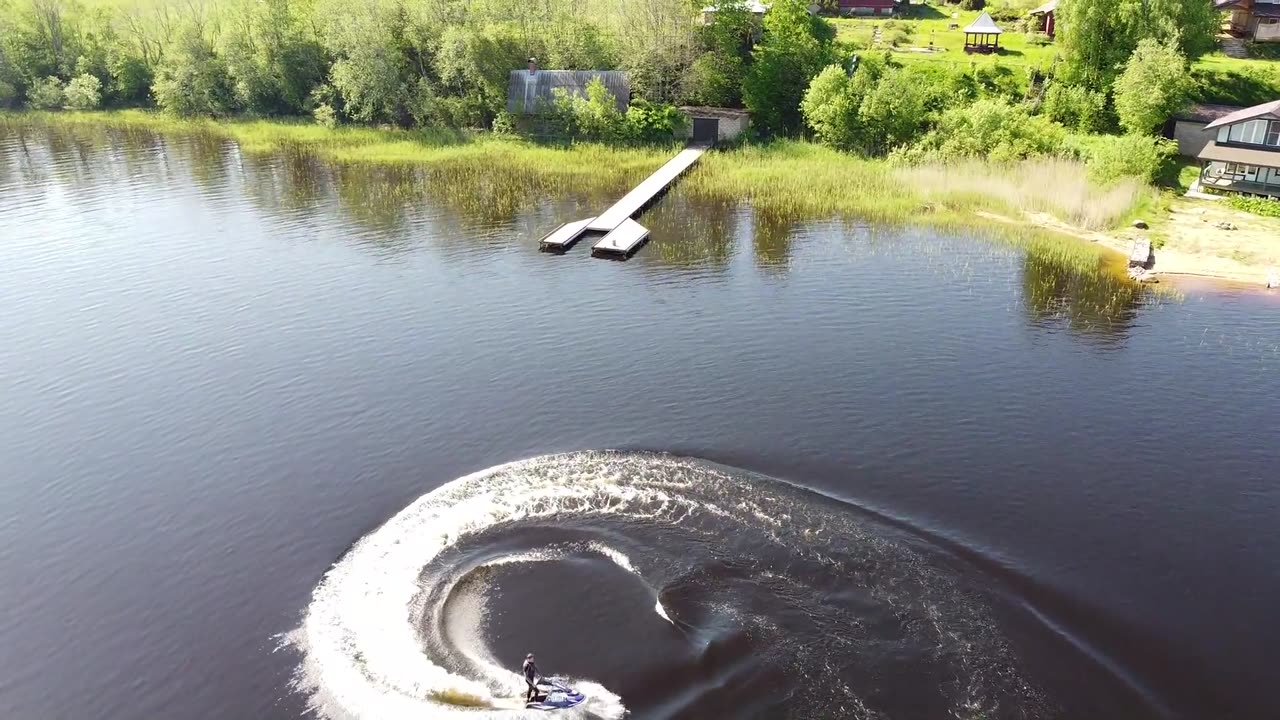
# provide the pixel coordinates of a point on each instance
(362, 655)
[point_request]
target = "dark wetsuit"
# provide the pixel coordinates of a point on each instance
(531, 677)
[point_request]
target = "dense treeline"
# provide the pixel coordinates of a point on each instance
(1123, 66)
(403, 62)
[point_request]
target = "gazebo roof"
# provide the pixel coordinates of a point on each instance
(984, 25)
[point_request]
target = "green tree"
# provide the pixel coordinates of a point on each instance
(192, 79)
(830, 108)
(894, 112)
(371, 67)
(131, 78)
(714, 79)
(795, 48)
(1097, 37)
(46, 94)
(1153, 86)
(272, 58)
(84, 92)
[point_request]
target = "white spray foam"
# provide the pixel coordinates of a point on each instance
(362, 655)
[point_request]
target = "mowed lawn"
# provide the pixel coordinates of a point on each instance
(929, 26)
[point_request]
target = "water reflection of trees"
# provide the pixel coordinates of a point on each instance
(771, 238)
(1096, 305)
(691, 233)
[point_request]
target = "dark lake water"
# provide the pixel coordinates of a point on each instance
(280, 437)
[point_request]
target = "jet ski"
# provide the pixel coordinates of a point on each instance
(553, 694)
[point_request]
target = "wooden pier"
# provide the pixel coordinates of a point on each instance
(634, 201)
(623, 235)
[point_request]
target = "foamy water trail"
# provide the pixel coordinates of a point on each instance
(398, 626)
(362, 653)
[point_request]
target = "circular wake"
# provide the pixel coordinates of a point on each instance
(774, 600)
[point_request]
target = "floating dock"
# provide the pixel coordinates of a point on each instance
(563, 237)
(622, 241)
(623, 235)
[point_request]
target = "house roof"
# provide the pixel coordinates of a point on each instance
(1266, 10)
(1237, 154)
(1225, 4)
(1265, 110)
(1046, 8)
(751, 6)
(529, 92)
(1206, 113)
(714, 112)
(867, 3)
(984, 25)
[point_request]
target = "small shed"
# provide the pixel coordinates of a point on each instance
(867, 7)
(982, 35)
(1188, 126)
(532, 91)
(712, 124)
(1046, 16)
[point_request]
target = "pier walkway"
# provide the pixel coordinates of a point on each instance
(623, 235)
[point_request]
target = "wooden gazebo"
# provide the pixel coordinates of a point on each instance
(982, 36)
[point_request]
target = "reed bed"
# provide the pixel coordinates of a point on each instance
(492, 176)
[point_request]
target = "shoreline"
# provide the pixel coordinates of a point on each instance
(792, 178)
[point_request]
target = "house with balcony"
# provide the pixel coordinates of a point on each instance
(1244, 154)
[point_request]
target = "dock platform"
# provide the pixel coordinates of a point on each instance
(634, 201)
(563, 237)
(622, 241)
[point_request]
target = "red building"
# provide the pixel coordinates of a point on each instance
(867, 7)
(1045, 14)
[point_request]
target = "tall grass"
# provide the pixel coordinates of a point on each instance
(1061, 188)
(788, 179)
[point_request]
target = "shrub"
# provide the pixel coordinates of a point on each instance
(1112, 157)
(1154, 85)
(325, 116)
(990, 128)
(972, 4)
(504, 123)
(597, 116)
(1038, 39)
(1258, 206)
(653, 122)
(899, 37)
(8, 93)
(1074, 106)
(84, 92)
(46, 94)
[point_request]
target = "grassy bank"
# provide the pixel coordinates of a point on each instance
(789, 178)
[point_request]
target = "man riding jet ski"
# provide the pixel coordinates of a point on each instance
(547, 693)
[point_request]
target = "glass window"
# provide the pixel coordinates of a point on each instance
(1237, 132)
(1222, 134)
(1273, 133)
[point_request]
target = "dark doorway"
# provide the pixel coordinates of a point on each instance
(706, 130)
